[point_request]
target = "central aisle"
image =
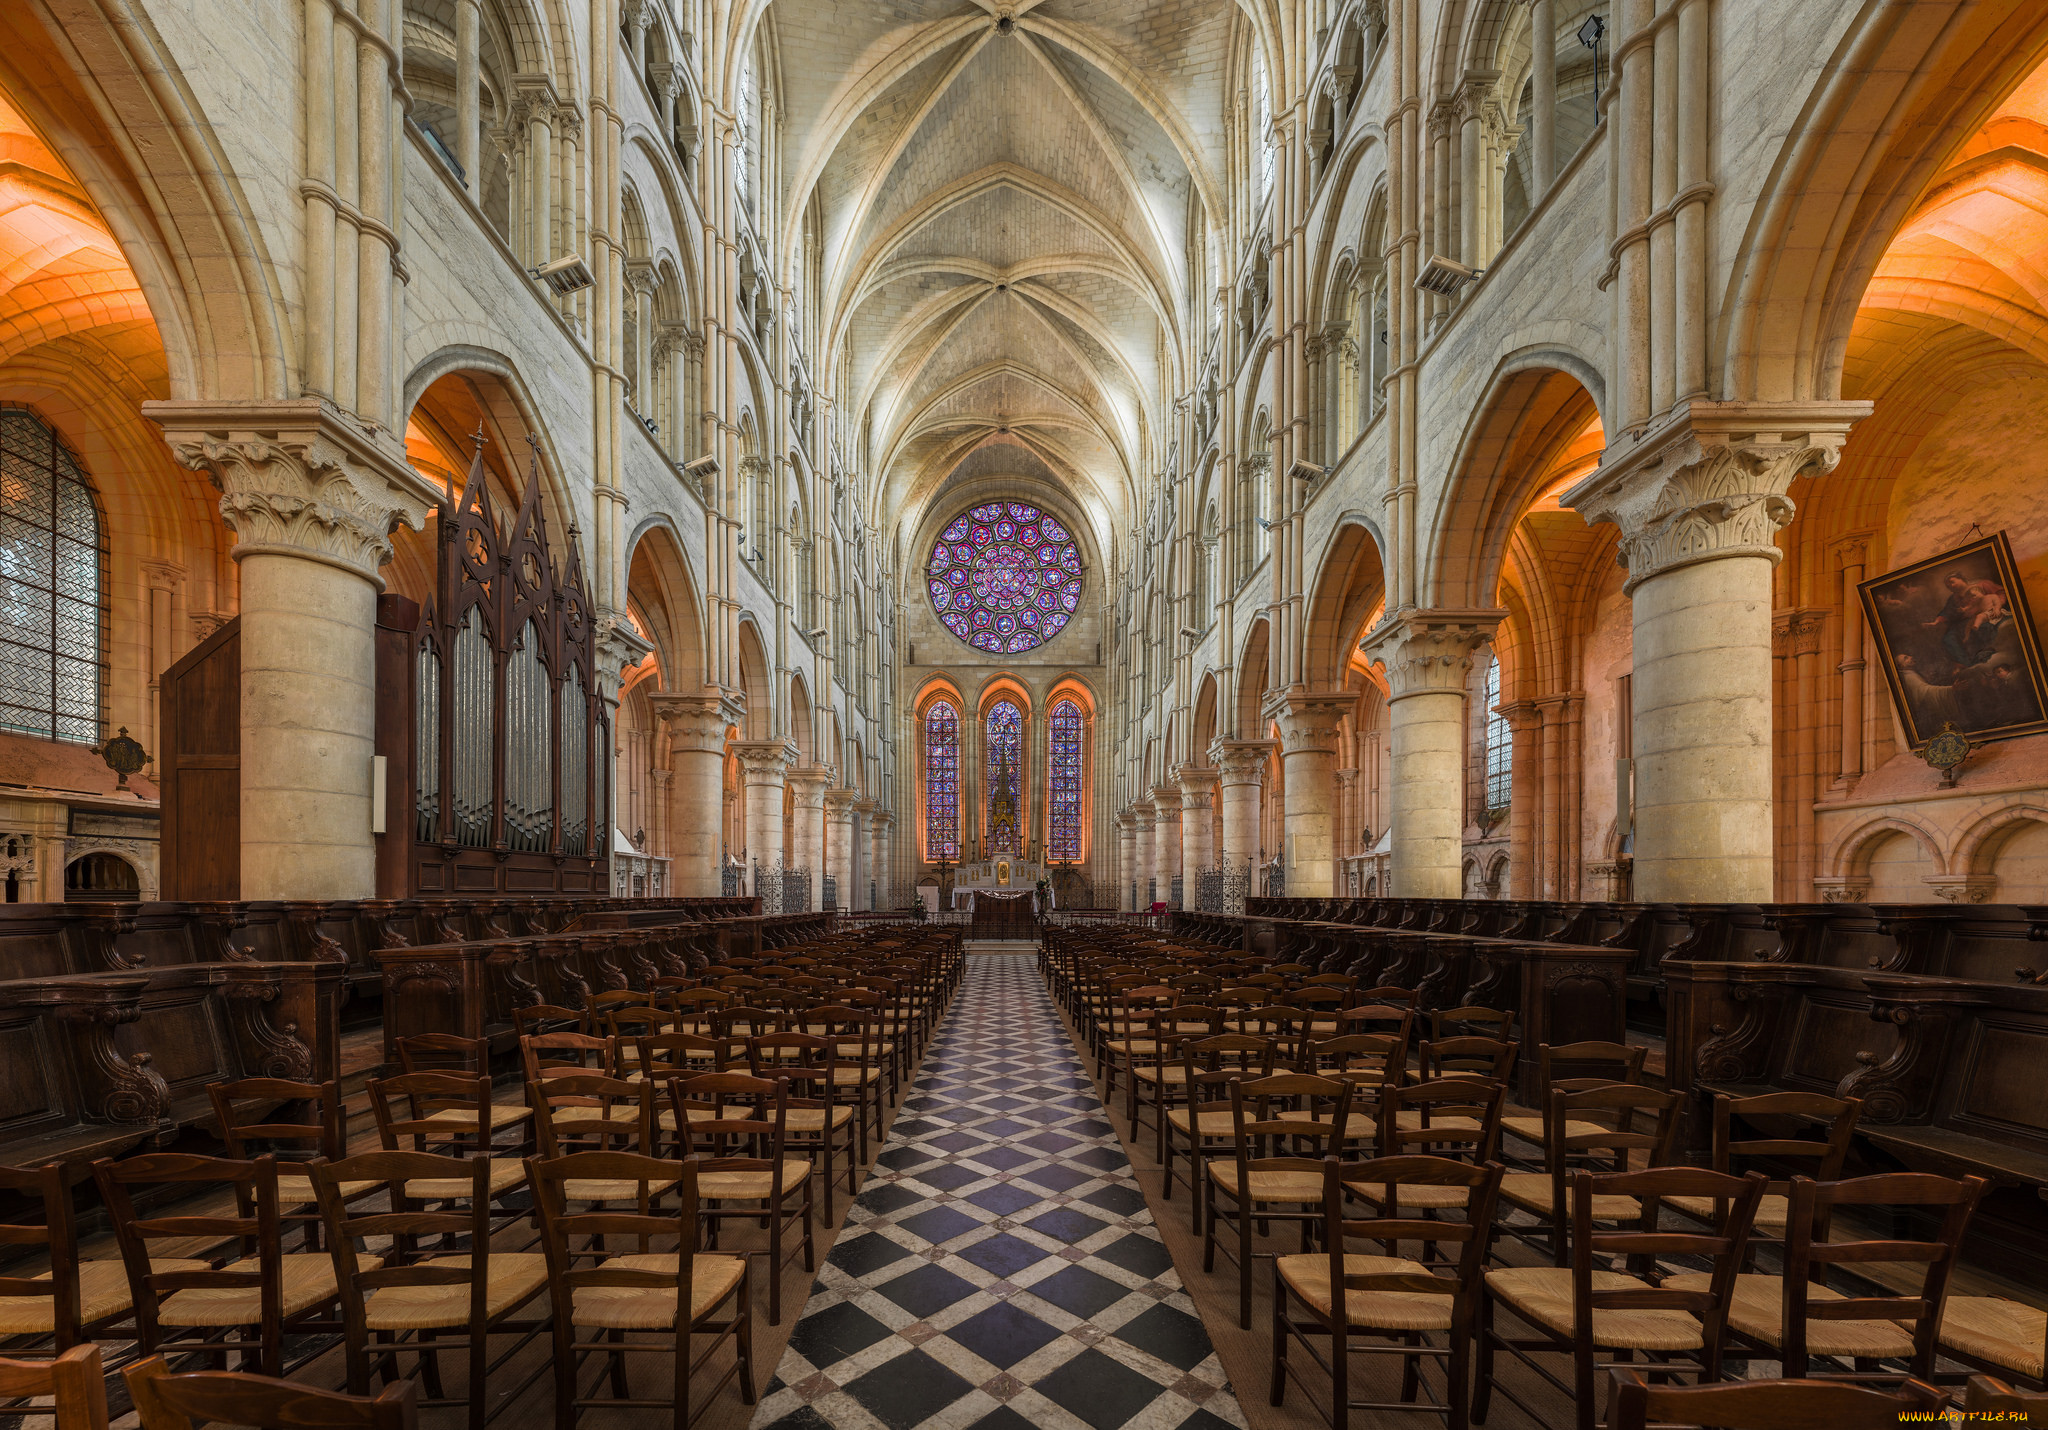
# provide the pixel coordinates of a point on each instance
(1001, 1268)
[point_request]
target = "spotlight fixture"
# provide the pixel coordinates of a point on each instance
(564, 276)
(1191, 635)
(1265, 525)
(1589, 36)
(1306, 471)
(1445, 275)
(818, 634)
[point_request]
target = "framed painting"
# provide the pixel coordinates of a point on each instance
(1958, 644)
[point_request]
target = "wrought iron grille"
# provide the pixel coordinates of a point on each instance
(732, 880)
(830, 888)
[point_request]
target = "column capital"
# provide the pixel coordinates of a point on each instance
(1166, 801)
(1710, 481)
(300, 478)
(1127, 822)
(764, 761)
(1347, 779)
(697, 722)
(1141, 815)
(1522, 714)
(1240, 762)
(1197, 786)
(1309, 720)
(880, 820)
(616, 646)
(810, 783)
(840, 803)
(1429, 652)
(1797, 631)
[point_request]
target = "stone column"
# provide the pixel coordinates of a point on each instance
(1240, 771)
(1309, 725)
(807, 827)
(1166, 838)
(1126, 860)
(763, 766)
(1427, 655)
(1147, 869)
(1525, 778)
(1197, 821)
(839, 860)
(1699, 501)
(1850, 554)
(468, 92)
(312, 499)
(697, 726)
(881, 828)
(1543, 96)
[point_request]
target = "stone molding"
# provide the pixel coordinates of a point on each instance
(1711, 480)
(1197, 786)
(697, 722)
(764, 762)
(1842, 889)
(1797, 631)
(1309, 721)
(616, 646)
(1429, 652)
(1240, 762)
(1962, 888)
(300, 478)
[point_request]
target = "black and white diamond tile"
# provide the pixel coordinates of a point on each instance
(1000, 1268)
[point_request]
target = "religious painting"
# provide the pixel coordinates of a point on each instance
(1958, 645)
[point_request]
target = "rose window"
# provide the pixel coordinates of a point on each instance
(1005, 577)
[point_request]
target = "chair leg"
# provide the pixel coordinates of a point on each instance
(430, 1366)
(1277, 1393)
(1457, 1393)
(1340, 1371)
(775, 1267)
(479, 1361)
(744, 1310)
(1482, 1369)
(1244, 1266)
(1206, 1227)
(1582, 1385)
(565, 1374)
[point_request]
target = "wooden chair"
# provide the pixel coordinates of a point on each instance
(417, 1291)
(1633, 1404)
(820, 1123)
(1596, 1128)
(1387, 1298)
(1455, 1119)
(1470, 1020)
(295, 1198)
(1826, 1155)
(1598, 1065)
(450, 1053)
(1797, 1318)
(1581, 1311)
(1159, 1082)
(74, 1300)
(752, 1113)
(1249, 1185)
(1369, 1062)
(1990, 1333)
(671, 1296)
(261, 1293)
(449, 1114)
(164, 1401)
(73, 1382)
(548, 1018)
(1984, 1398)
(1475, 1056)
(858, 1074)
(1207, 1068)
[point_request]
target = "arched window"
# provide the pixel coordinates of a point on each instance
(941, 781)
(1063, 782)
(1005, 778)
(53, 599)
(1499, 744)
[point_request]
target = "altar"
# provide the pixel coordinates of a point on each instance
(1002, 877)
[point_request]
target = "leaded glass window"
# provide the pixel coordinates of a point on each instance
(942, 781)
(1500, 744)
(1005, 777)
(53, 599)
(1063, 782)
(1005, 577)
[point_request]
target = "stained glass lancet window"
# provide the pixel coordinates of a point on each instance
(1005, 577)
(941, 781)
(1499, 744)
(1063, 782)
(1005, 777)
(53, 603)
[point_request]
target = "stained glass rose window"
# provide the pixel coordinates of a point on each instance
(1005, 577)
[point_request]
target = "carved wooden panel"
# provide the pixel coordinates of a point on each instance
(200, 764)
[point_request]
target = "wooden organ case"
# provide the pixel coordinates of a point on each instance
(489, 716)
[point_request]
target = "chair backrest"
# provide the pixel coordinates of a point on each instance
(1384, 1177)
(804, 1060)
(588, 1113)
(443, 1052)
(1733, 1115)
(406, 1225)
(1645, 1242)
(572, 1238)
(1461, 1113)
(1212, 1064)
(55, 1235)
(544, 1055)
(1810, 1251)
(1634, 1404)
(164, 1401)
(405, 1106)
(1471, 1019)
(1469, 1057)
(1387, 993)
(1369, 1059)
(73, 1381)
(1259, 1115)
(1576, 1066)
(751, 1112)
(536, 1019)
(321, 1137)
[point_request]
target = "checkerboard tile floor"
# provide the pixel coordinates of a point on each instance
(1000, 1268)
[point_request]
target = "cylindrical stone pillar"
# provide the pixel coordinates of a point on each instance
(1240, 773)
(880, 829)
(807, 787)
(1197, 821)
(1147, 866)
(1126, 862)
(697, 726)
(1166, 839)
(1309, 726)
(1428, 655)
(839, 860)
(764, 764)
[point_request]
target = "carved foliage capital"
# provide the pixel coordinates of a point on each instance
(1240, 762)
(764, 762)
(1429, 652)
(1310, 723)
(1197, 786)
(697, 722)
(1711, 482)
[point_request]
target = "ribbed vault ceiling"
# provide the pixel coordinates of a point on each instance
(1003, 204)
